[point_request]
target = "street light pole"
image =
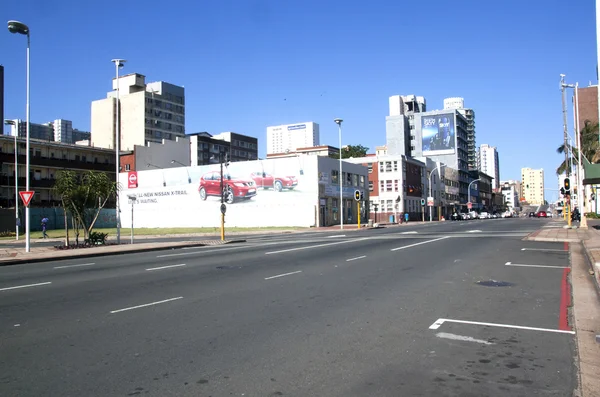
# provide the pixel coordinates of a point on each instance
(430, 174)
(580, 187)
(469, 190)
(21, 28)
(119, 63)
(186, 170)
(565, 132)
(341, 206)
(16, 125)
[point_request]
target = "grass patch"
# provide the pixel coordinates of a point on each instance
(112, 232)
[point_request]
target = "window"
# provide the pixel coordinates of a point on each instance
(395, 166)
(388, 186)
(396, 185)
(382, 186)
(334, 176)
(388, 166)
(370, 186)
(381, 166)
(83, 159)
(355, 180)
(370, 167)
(362, 180)
(127, 167)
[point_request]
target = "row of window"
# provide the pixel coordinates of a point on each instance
(348, 179)
(244, 144)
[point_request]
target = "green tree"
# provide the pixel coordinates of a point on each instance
(64, 186)
(590, 148)
(352, 151)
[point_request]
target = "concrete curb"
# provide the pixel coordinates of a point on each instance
(594, 266)
(552, 239)
(95, 252)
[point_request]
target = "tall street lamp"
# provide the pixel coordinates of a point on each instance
(21, 28)
(159, 168)
(438, 168)
(339, 123)
(469, 189)
(186, 170)
(16, 125)
(119, 63)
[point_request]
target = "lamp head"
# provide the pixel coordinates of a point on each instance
(9, 122)
(338, 121)
(18, 27)
(119, 62)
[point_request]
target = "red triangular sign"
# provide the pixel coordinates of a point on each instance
(26, 197)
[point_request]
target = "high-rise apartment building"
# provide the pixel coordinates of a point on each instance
(488, 162)
(59, 130)
(289, 137)
(148, 112)
(400, 124)
(469, 114)
(533, 185)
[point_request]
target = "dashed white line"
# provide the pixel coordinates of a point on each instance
(354, 259)
(24, 286)
(145, 305)
(523, 265)
(544, 249)
(339, 235)
(422, 242)
(315, 246)
(80, 265)
(202, 250)
(462, 338)
(283, 275)
(164, 267)
(473, 231)
(441, 321)
(412, 232)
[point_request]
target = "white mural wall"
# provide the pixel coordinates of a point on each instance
(260, 193)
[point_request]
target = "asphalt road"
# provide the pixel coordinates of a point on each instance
(388, 312)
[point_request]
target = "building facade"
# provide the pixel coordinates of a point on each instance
(489, 163)
(323, 150)
(290, 137)
(511, 197)
(205, 148)
(533, 185)
(400, 124)
(59, 130)
(588, 104)
(481, 191)
(168, 154)
(148, 113)
(469, 115)
(2, 96)
(46, 160)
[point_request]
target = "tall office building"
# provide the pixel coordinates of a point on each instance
(488, 163)
(289, 137)
(205, 148)
(400, 124)
(2, 96)
(59, 130)
(469, 114)
(148, 112)
(42, 132)
(533, 185)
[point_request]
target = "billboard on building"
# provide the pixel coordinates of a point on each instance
(439, 134)
(273, 192)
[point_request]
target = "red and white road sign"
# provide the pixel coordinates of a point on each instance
(469, 205)
(26, 197)
(132, 178)
(430, 201)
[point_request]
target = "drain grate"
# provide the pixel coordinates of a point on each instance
(494, 283)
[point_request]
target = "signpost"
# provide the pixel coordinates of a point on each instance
(358, 196)
(469, 205)
(223, 211)
(430, 201)
(423, 208)
(26, 197)
(132, 199)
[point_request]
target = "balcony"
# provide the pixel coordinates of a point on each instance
(57, 163)
(9, 181)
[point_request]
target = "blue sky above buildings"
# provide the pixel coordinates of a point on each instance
(249, 64)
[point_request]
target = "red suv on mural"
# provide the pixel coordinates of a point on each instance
(234, 189)
(278, 183)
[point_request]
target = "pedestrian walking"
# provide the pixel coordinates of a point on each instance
(44, 222)
(406, 217)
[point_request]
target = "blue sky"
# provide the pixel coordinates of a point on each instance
(249, 64)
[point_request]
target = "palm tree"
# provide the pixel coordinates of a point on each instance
(590, 148)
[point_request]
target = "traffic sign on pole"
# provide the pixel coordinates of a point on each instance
(430, 201)
(469, 205)
(26, 197)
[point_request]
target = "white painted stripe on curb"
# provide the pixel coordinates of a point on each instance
(462, 338)
(164, 267)
(441, 321)
(523, 265)
(422, 242)
(68, 266)
(24, 286)
(283, 275)
(354, 259)
(145, 305)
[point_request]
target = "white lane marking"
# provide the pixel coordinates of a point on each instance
(283, 275)
(315, 246)
(353, 259)
(422, 242)
(339, 235)
(413, 232)
(17, 325)
(164, 267)
(441, 321)
(446, 335)
(523, 265)
(207, 250)
(543, 249)
(80, 265)
(145, 305)
(24, 286)
(473, 231)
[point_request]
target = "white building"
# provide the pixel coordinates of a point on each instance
(488, 163)
(289, 137)
(469, 114)
(454, 103)
(533, 185)
(167, 154)
(149, 113)
(511, 196)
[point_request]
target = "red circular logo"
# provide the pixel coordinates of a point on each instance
(132, 178)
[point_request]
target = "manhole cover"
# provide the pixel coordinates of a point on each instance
(494, 283)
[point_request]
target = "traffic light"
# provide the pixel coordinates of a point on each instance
(567, 186)
(358, 195)
(562, 191)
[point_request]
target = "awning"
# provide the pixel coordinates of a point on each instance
(591, 173)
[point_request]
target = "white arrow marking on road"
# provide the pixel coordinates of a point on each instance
(422, 242)
(522, 265)
(24, 286)
(413, 232)
(462, 338)
(441, 321)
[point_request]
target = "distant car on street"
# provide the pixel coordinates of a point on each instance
(277, 182)
(234, 188)
(542, 214)
(532, 214)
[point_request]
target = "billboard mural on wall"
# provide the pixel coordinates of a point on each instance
(260, 193)
(439, 136)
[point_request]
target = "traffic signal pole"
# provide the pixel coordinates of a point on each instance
(358, 208)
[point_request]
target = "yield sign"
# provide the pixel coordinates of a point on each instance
(26, 197)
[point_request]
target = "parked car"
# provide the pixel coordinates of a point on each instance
(532, 214)
(484, 215)
(542, 214)
(277, 182)
(234, 188)
(456, 217)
